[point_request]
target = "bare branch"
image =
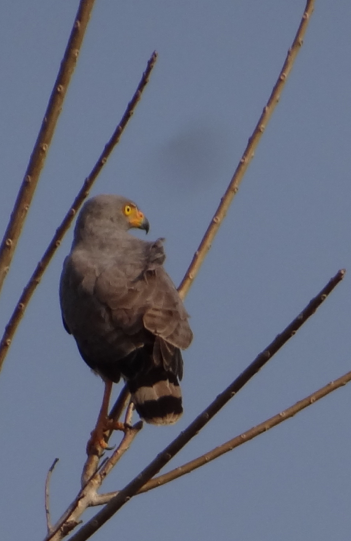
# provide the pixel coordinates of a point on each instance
(88, 496)
(47, 495)
(249, 152)
(40, 151)
(119, 452)
(184, 437)
(246, 436)
(62, 229)
(102, 499)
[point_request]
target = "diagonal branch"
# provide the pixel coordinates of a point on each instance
(38, 156)
(249, 152)
(245, 436)
(62, 229)
(193, 429)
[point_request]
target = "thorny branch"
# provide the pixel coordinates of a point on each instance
(41, 147)
(62, 229)
(193, 429)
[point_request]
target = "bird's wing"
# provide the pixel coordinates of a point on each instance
(141, 295)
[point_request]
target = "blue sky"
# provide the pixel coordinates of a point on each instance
(286, 234)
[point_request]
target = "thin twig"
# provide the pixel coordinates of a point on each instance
(249, 152)
(246, 436)
(88, 496)
(193, 429)
(40, 151)
(47, 495)
(62, 229)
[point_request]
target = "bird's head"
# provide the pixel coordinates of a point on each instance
(135, 217)
(102, 211)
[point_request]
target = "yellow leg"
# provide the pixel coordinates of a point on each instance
(97, 441)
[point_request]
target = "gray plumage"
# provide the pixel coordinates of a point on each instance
(123, 309)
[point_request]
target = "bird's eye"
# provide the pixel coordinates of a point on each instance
(127, 210)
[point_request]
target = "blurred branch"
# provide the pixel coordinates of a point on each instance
(246, 436)
(38, 156)
(62, 229)
(194, 428)
(249, 152)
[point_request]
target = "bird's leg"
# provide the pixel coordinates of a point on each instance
(97, 441)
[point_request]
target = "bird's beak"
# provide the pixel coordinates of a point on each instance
(140, 221)
(145, 225)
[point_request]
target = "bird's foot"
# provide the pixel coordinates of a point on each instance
(97, 442)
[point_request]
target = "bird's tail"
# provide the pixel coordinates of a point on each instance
(157, 396)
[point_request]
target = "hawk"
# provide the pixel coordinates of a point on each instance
(123, 309)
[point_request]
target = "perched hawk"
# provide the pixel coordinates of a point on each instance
(123, 309)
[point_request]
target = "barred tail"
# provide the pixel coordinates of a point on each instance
(157, 396)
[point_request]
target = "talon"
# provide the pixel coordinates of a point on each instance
(97, 442)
